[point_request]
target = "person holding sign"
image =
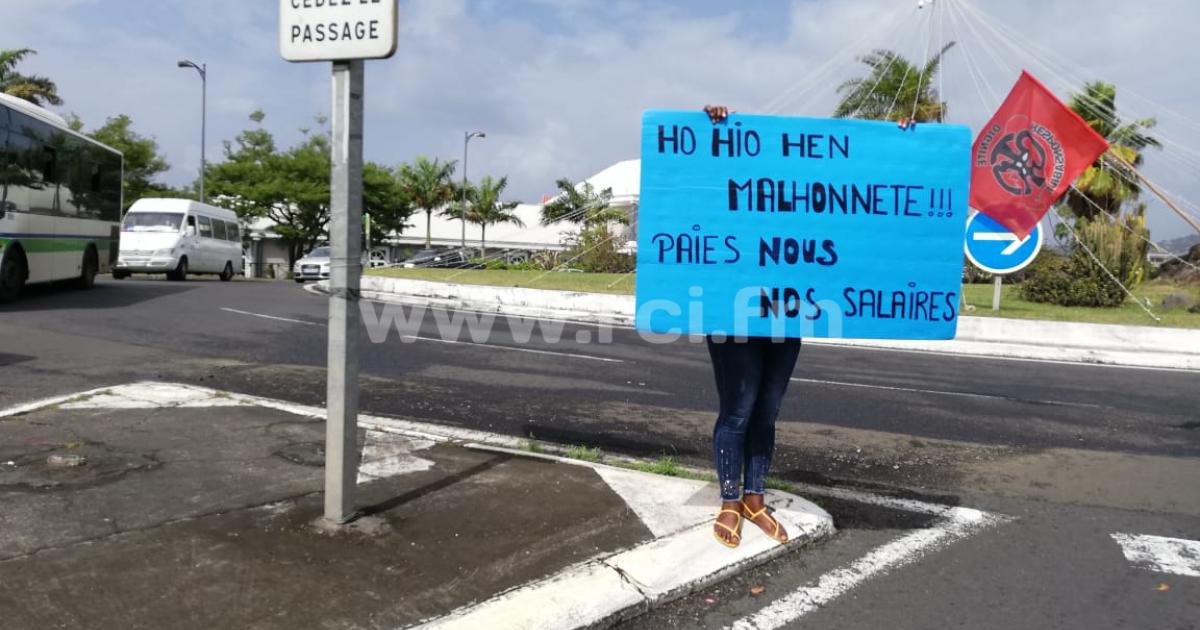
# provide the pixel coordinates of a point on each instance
(752, 376)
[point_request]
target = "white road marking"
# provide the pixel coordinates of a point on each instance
(942, 393)
(1157, 553)
(959, 523)
(271, 317)
(515, 349)
(571, 355)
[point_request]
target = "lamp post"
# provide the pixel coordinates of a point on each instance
(467, 136)
(203, 70)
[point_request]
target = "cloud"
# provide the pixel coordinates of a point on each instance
(560, 85)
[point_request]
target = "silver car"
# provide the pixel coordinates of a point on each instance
(314, 266)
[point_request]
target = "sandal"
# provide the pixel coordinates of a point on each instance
(751, 515)
(737, 533)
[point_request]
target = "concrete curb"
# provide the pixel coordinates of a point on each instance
(1130, 346)
(628, 583)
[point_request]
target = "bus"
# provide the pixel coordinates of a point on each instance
(60, 200)
(178, 237)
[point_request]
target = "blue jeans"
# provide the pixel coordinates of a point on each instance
(752, 377)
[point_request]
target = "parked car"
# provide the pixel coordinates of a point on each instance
(314, 265)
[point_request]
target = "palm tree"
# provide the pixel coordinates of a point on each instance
(581, 204)
(1108, 184)
(484, 208)
(895, 89)
(35, 89)
(428, 185)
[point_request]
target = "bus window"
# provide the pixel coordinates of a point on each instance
(205, 227)
(231, 232)
(219, 230)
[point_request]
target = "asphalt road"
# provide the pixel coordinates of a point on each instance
(1069, 453)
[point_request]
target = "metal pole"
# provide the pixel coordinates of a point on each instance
(203, 126)
(345, 231)
(996, 292)
(462, 211)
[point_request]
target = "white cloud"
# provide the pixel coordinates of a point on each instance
(560, 85)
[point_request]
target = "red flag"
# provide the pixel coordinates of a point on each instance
(1028, 155)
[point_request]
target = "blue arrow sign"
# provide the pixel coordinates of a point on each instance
(994, 249)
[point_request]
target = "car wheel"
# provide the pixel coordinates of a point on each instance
(180, 273)
(227, 272)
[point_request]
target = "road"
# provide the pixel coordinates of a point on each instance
(1064, 455)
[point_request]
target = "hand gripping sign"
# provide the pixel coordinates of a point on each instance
(800, 227)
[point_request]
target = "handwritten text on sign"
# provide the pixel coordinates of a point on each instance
(799, 227)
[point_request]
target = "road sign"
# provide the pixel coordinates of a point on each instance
(994, 249)
(337, 30)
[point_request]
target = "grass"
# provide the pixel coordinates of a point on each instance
(977, 295)
(1012, 306)
(555, 280)
(583, 453)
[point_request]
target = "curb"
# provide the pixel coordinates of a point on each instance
(1102, 344)
(631, 582)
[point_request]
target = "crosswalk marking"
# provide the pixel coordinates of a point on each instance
(1158, 553)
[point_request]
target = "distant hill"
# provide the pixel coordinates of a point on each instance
(1180, 246)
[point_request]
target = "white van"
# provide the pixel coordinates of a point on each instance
(179, 237)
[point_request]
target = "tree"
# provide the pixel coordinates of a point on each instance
(428, 185)
(594, 248)
(142, 159)
(895, 89)
(291, 188)
(484, 208)
(384, 200)
(1106, 186)
(33, 88)
(581, 205)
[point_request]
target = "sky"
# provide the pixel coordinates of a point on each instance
(559, 85)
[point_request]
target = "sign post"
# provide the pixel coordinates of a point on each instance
(345, 33)
(993, 248)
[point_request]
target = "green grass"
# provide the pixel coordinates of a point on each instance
(556, 280)
(583, 453)
(1012, 306)
(977, 295)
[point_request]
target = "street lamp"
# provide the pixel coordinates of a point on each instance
(463, 211)
(203, 70)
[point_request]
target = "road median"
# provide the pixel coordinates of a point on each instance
(1105, 344)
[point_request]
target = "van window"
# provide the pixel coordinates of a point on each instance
(219, 230)
(205, 227)
(231, 231)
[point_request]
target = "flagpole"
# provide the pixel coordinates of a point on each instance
(1156, 190)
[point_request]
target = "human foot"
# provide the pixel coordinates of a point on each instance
(756, 512)
(728, 528)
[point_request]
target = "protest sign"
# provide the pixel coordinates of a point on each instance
(799, 227)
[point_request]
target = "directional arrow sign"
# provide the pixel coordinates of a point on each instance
(994, 249)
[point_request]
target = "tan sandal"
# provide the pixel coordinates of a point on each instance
(737, 533)
(751, 515)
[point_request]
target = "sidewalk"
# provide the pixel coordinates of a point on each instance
(154, 505)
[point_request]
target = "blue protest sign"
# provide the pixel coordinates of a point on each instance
(800, 227)
(994, 249)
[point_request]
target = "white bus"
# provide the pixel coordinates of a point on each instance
(179, 237)
(60, 200)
